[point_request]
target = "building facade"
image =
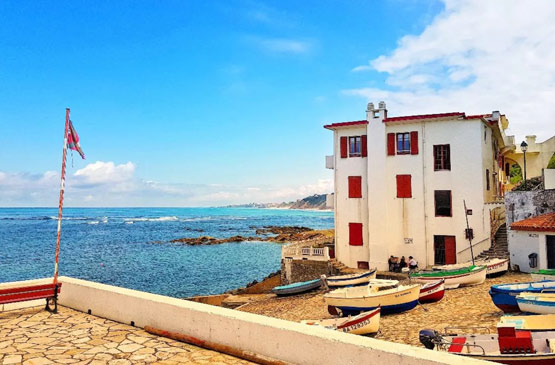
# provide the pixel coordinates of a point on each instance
(532, 243)
(401, 184)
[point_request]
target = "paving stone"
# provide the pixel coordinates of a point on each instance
(12, 359)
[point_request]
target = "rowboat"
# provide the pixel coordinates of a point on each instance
(495, 267)
(539, 303)
(538, 322)
(364, 324)
(351, 279)
(432, 291)
(507, 346)
(471, 275)
(297, 288)
(548, 274)
(504, 295)
(392, 299)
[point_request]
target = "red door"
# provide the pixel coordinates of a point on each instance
(450, 250)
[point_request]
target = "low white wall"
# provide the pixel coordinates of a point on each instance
(549, 178)
(274, 338)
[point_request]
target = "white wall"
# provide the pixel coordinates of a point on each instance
(523, 243)
(549, 176)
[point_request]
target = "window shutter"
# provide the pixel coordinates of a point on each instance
(355, 190)
(343, 147)
(404, 189)
(355, 234)
(414, 143)
(391, 144)
(364, 142)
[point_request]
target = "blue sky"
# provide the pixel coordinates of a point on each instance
(205, 103)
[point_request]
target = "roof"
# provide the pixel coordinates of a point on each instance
(544, 223)
(346, 124)
(423, 116)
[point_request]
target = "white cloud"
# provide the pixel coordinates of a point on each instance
(283, 45)
(476, 56)
(105, 173)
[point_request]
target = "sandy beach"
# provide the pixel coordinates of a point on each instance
(463, 307)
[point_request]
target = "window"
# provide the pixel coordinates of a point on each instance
(442, 157)
(404, 189)
(487, 179)
(355, 187)
(355, 234)
(403, 143)
(443, 203)
(355, 146)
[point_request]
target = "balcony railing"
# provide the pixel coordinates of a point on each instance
(305, 253)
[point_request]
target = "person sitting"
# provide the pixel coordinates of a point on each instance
(402, 263)
(391, 263)
(413, 264)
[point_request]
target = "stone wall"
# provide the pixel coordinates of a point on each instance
(525, 204)
(294, 271)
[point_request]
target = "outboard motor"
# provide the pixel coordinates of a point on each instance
(428, 338)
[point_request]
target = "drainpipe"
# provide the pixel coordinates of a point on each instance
(424, 187)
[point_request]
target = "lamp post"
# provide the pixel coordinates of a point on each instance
(523, 148)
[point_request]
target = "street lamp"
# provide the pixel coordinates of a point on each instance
(523, 148)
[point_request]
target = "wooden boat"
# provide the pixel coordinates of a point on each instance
(539, 303)
(351, 279)
(432, 291)
(471, 275)
(548, 274)
(392, 299)
(297, 288)
(495, 267)
(508, 346)
(504, 295)
(364, 324)
(538, 322)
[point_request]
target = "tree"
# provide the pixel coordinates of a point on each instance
(551, 164)
(515, 172)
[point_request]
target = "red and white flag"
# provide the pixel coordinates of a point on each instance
(73, 140)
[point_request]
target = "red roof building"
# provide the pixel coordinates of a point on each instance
(542, 223)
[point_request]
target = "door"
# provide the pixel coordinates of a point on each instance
(450, 250)
(550, 243)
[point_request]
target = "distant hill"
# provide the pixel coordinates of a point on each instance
(316, 201)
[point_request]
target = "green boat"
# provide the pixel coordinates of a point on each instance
(470, 275)
(545, 274)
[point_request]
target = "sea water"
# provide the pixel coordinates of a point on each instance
(130, 247)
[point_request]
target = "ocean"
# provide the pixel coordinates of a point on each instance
(130, 247)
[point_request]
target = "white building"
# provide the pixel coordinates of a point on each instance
(400, 183)
(532, 243)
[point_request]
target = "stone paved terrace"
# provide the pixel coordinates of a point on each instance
(34, 336)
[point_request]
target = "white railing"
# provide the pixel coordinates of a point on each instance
(305, 253)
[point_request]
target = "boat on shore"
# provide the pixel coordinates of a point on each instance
(508, 346)
(351, 279)
(495, 267)
(504, 295)
(391, 298)
(366, 323)
(539, 303)
(547, 274)
(537, 322)
(432, 291)
(471, 275)
(297, 288)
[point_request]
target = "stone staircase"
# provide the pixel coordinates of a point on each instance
(341, 269)
(500, 246)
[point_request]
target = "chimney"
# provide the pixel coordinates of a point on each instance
(495, 115)
(370, 111)
(382, 110)
(531, 140)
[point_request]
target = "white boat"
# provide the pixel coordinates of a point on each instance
(495, 267)
(472, 275)
(391, 298)
(545, 274)
(364, 324)
(538, 322)
(351, 279)
(539, 303)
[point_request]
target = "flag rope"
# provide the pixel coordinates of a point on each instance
(61, 203)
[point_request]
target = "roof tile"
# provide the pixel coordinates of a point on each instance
(544, 222)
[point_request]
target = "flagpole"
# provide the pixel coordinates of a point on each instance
(61, 203)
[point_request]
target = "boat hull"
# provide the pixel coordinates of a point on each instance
(537, 306)
(538, 359)
(497, 268)
(542, 277)
(504, 295)
(391, 301)
(366, 323)
(539, 322)
(452, 281)
(432, 292)
(297, 288)
(350, 280)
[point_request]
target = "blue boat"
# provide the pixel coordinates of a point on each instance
(504, 295)
(297, 288)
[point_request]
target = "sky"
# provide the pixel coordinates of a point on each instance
(190, 103)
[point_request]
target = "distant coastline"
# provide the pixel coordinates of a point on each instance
(316, 202)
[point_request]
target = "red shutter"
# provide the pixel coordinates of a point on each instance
(364, 142)
(355, 234)
(450, 250)
(414, 143)
(355, 190)
(404, 189)
(391, 144)
(343, 147)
